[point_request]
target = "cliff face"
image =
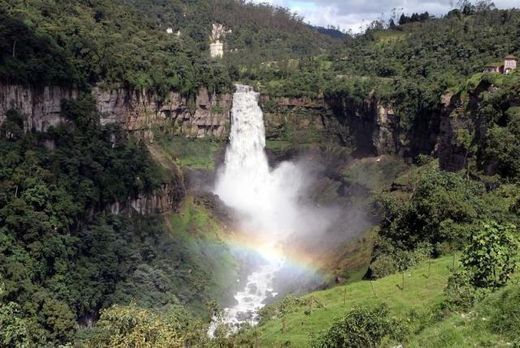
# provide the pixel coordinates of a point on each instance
(462, 127)
(301, 118)
(139, 112)
(369, 125)
(40, 106)
(452, 154)
(165, 199)
(136, 111)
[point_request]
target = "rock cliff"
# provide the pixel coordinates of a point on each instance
(40, 106)
(139, 112)
(165, 199)
(369, 125)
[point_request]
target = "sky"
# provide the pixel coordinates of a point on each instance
(354, 15)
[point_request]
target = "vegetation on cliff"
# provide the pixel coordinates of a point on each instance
(64, 256)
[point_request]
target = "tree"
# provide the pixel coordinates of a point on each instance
(131, 326)
(490, 258)
(14, 329)
(362, 327)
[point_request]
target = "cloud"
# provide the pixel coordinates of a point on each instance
(355, 15)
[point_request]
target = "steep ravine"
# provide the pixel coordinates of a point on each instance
(369, 127)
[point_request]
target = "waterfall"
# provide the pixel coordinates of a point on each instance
(264, 199)
(245, 174)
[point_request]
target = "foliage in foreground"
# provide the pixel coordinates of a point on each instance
(64, 256)
(132, 326)
(363, 327)
(491, 256)
(488, 263)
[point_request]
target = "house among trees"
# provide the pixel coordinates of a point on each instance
(510, 64)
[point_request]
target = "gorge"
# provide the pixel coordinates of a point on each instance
(268, 202)
(220, 173)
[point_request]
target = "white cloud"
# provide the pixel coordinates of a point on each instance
(356, 14)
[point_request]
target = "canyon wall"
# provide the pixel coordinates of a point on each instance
(369, 125)
(165, 199)
(40, 106)
(139, 112)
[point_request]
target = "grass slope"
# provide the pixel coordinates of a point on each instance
(205, 264)
(423, 287)
(191, 153)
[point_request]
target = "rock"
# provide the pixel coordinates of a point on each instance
(162, 200)
(136, 111)
(40, 106)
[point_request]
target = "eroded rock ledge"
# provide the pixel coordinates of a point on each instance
(138, 112)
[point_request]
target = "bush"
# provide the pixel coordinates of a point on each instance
(460, 294)
(363, 327)
(393, 260)
(132, 326)
(490, 258)
(383, 266)
(441, 209)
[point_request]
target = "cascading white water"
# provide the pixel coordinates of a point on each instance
(265, 199)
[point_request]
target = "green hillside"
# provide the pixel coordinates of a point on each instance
(314, 313)
(414, 298)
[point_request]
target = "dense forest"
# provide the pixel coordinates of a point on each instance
(125, 43)
(72, 271)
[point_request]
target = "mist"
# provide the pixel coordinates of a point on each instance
(272, 207)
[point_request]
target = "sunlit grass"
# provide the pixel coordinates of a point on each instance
(423, 288)
(192, 153)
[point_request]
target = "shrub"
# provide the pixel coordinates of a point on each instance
(383, 266)
(393, 260)
(362, 327)
(490, 257)
(439, 210)
(132, 326)
(460, 294)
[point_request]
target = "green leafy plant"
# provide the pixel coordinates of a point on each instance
(490, 258)
(363, 327)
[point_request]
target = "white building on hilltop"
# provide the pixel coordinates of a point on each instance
(216, 45)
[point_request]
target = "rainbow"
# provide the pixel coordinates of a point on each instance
(293, 258)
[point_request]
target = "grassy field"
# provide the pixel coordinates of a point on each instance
(191, 153)
(423, 288)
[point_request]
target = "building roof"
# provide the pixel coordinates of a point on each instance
(510, 56)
